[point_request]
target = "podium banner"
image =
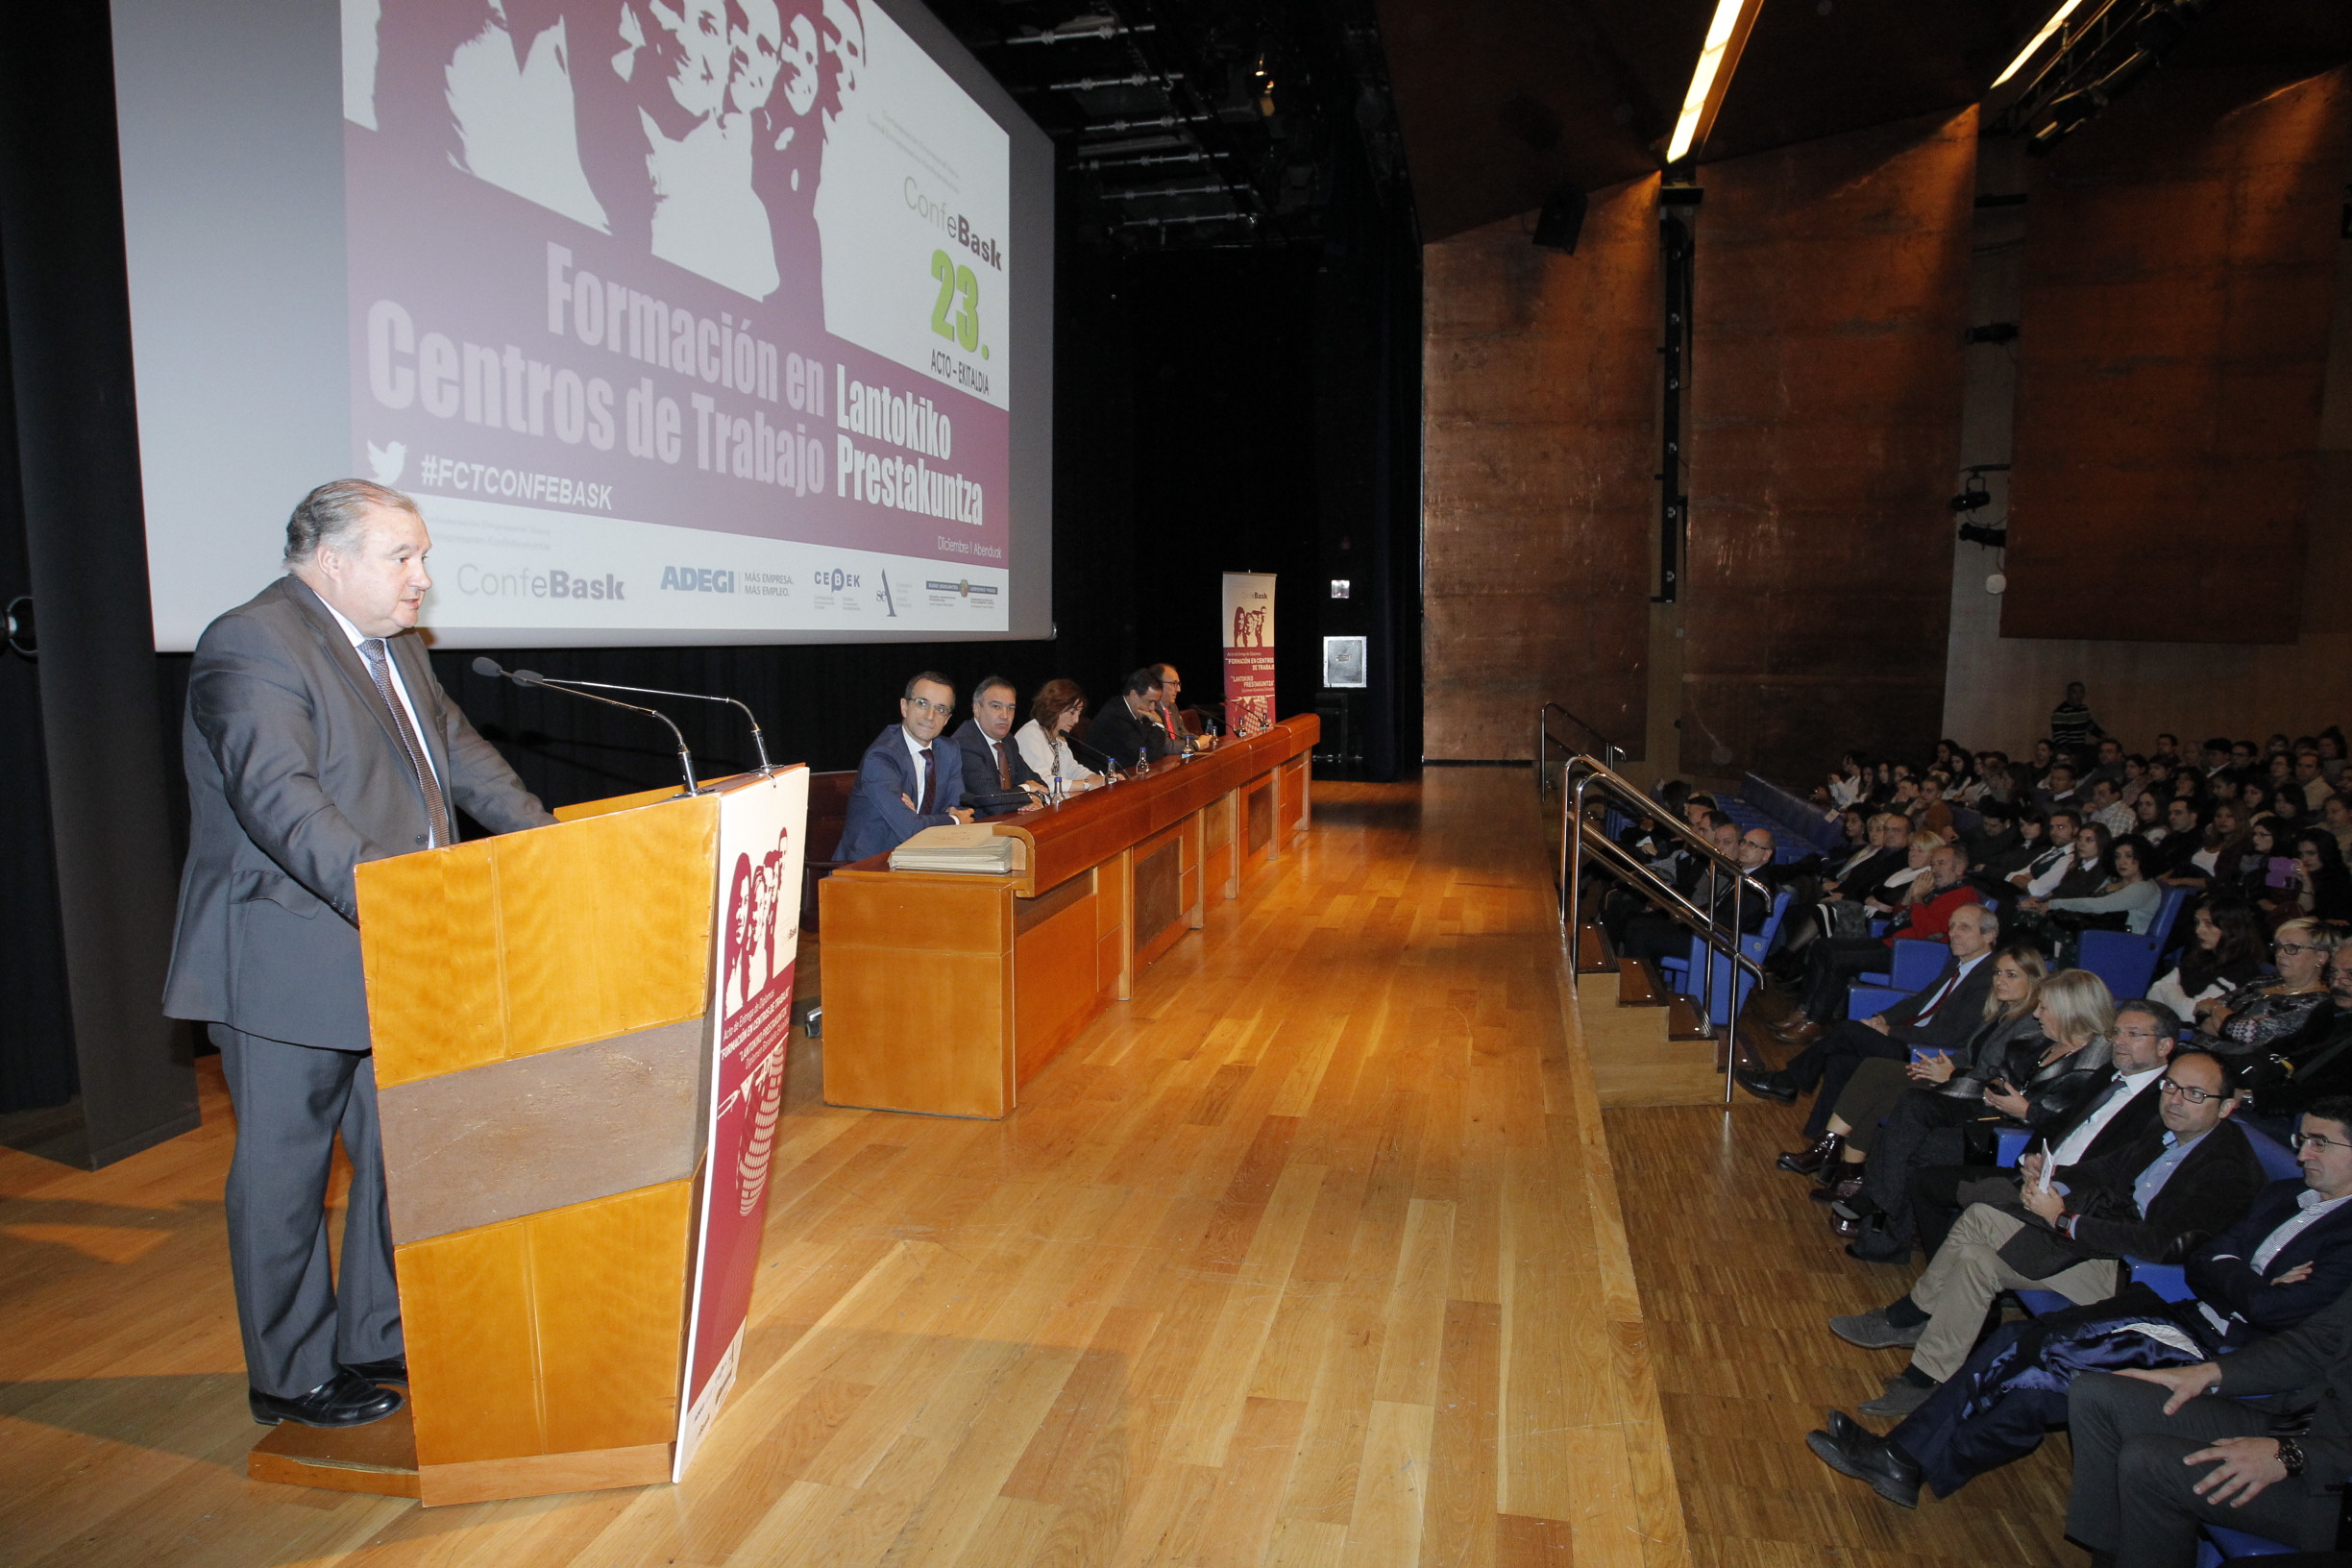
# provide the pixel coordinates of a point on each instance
(1249, 650)
(756, 936)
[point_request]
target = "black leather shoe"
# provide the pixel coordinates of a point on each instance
(1807, 1161)
(1854, 1452)
(391, 1369)
(1766, 1085)
(1872, 1246)
(344, 1400)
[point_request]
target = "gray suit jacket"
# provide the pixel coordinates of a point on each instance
(295, 776)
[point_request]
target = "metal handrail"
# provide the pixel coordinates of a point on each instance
(1612, 754)
(1588, 772)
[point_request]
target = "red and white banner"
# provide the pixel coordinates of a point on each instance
(755, 938)
(1249, 650)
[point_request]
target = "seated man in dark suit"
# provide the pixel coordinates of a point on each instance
(1941, 1017)
(2289, 1255)
(2166, 1194)
(906, 782)
(1128, 726)
(997, 780)
(1652, 935)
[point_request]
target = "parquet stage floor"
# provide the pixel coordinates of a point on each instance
(1311, 1255)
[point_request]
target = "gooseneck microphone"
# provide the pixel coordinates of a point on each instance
(759, 742)
(485, 666)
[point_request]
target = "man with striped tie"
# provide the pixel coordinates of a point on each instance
(317, 738)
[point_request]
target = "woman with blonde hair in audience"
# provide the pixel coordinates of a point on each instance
(2270, 1017)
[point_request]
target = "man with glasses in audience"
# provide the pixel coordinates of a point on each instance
(2236, 1439)
(909, 779)
(2166, 1193)
(2289, 1257)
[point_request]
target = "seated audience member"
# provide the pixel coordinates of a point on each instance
(1045, 740)
(2148, 816)
(1127, 729)
(2168, 750)
(2336, 818)
(1940, 1018)
(2152, 1201)
(2162, 1451)
(2119, 1107)
(2132, 895)
(2286, 1258)
(2032, 843)
(907, 781)
(997, 779)
(1993, 777)
(2108, 808)
(2283, 1085)
(2071, 721)
(1926, 910)
(2036, 767)
(2040, 1079)
(2214, 864)
(2091, 869)
(2254, 802)
(2109, 766)
(1848, 784)
(1652, 935)
(2323, 885)
(2225, 950)
(2270, 1016)
(1686, 870)
(1996, 834)
(2218, 756)
(1840, 1158)
(2184, 836)
(1929, 813)
(2332, 754)
(2309, 777)
(2058, 790)
(2041, 876)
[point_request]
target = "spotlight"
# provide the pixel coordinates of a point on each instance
(1992, 538)
(1972, 497)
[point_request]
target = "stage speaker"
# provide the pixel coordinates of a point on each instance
(1561, 220)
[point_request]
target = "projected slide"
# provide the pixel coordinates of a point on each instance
(682, 314)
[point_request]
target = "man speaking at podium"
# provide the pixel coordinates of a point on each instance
(317, 738)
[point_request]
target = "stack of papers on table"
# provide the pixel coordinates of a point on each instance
(967, 847)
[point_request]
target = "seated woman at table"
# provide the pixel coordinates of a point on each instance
(2265, 1017)
(1045, 740)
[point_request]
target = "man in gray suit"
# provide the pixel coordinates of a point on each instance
(317, 738)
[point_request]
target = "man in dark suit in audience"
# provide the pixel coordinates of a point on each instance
(317, 738)
(2159, 1199)
(1652, 935)
(909, 779)
(1129, 724)
(2114, 1114)
(1940, 1018)
(996, 780)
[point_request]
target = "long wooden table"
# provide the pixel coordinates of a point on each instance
(944, 993)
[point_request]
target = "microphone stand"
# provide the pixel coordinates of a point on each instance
(532, 678)
(759, 742)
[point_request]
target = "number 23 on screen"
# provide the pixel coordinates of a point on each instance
(955, 281)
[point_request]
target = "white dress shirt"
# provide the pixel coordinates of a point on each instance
(914, 751)
(2087, 1131)
(2310, 1210)
(399, 687)
(1041, 754)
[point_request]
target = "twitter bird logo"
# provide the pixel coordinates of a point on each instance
(388, 461)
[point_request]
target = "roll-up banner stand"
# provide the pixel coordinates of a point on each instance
(1249, 650)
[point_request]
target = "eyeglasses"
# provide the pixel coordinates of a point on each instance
(2298, 1140)
(2290, 947)
(925, 705)
(2188, 1092)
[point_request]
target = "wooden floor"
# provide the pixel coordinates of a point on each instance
(1309, 1255)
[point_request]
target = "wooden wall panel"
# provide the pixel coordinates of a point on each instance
(2180, 258)
(1539, 435)
(1831, 292)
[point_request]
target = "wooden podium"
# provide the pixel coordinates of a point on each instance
(550, 1062)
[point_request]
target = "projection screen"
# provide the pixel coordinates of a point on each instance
(685, 321)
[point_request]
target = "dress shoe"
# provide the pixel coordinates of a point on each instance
(1766, 1085)
(391, 1369)
(1872, 1331)
(1799, 1031)
(1806, 1161)
(1874, 1246)
(1851, 1451)
(1847, 1191)
(1901, 1398)
(344, 1400)
(1845, 1229)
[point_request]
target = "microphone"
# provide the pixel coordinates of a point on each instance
(759, 742)
(485, 666)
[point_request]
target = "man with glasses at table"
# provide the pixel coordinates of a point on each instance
(2185, 1180)
(908, 780)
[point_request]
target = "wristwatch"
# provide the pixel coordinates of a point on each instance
(2290, 1454)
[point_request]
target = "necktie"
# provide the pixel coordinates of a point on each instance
(930, 783)
(1928, 1010)
(436, 809)
(1004, 766)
